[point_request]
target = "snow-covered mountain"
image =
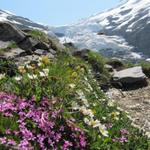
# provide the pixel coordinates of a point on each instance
(21, 22)
(24, 23)
(123, 31)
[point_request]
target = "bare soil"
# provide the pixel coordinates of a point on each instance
(137, 103)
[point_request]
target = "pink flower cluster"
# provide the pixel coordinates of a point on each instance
(39, 125)
(123, 138)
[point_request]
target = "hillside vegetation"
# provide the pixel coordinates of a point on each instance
(58, 104)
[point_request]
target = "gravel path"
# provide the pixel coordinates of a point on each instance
(137, 103)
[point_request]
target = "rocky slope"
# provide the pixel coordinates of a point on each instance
(21, 46)
(123, 30)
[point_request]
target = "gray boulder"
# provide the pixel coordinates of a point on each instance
(28, 43)
(44, 53)
(129, 76)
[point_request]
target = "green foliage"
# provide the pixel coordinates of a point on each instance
(146, 68)
(71, 80)
(39, 35)
(97, 61)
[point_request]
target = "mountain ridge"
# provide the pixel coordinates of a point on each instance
(114, 22)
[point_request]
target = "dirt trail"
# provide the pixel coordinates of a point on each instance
(137, 103)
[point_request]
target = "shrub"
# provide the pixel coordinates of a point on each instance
(8, 67)
(146, 68)
(116, 64)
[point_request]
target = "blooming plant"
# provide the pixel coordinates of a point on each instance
(38, 125)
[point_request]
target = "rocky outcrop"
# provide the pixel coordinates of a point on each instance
(131, 77)
(9, 32)
(28, 47)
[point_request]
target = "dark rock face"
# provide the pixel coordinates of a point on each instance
(42, 45)
(28, 49)
(9, 32)
(28, 43)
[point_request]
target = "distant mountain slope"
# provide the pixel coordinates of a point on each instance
(128, 25)
(20, 21)
(24, 23)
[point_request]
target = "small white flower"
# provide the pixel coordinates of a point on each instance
(115, 115)
(39, 64)
(90, 87)
(120, 109)
(33, 76)
(85, 78)
(86, 111)
(85, 102)
(103, 100)
(87, 90)
(104, 118)
(103, 130)
(94, 104)
(111, 103)
(18, 78)
(96, 95)
(46, 71)
(72, 86)
(2, 76)
(75, 106)
(80, 94)
(29, 67)
(42, 74)
(95, 123)
(87, 121)
(40, 59)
